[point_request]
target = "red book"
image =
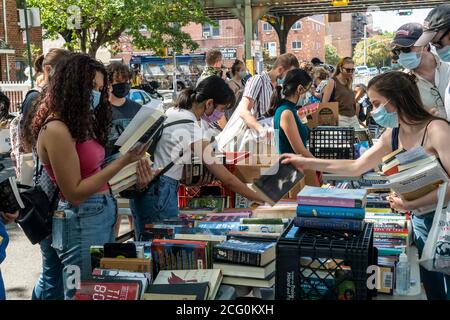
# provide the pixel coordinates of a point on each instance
(121, 290)
(391, 171)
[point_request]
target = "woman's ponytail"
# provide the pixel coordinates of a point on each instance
(186, 98)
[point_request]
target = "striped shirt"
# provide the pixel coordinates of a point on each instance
(259, 89)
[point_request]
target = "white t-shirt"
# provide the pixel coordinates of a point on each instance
(176, 138)
(447, 102)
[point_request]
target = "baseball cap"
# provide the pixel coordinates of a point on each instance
(316, 61)
(437, 20)
(407, 35)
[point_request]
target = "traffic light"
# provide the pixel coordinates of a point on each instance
(405, 13)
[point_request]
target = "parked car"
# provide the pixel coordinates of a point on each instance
(362, 71)
(385, 69)
(144, 99)
(373, 71)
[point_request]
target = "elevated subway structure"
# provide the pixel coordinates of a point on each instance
(283, 14)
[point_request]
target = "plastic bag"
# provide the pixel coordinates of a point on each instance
(436, 253)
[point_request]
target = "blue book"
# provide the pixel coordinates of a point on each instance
(329, 224)
(245, 252)
(219, 225)
(331, 212)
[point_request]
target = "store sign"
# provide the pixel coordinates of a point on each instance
(229, 53)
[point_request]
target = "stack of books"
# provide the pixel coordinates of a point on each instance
(246, 263)
(413, 174)
(331, 209)
(127, 177)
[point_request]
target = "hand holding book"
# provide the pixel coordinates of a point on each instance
(145, 174)
(296, 160)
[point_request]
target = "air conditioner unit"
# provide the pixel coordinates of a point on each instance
(206, 34)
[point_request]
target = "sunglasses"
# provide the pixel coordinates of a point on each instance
(349, 70)
(397, 51)
(438, 44)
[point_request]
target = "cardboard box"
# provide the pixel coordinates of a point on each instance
(326, 115)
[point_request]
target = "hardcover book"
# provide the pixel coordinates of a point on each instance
(109, 290)
(245, 252)
(333, 197)
(330, 212)
(329, 224)
(182, 291)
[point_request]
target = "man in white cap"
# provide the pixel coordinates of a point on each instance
(437, 32)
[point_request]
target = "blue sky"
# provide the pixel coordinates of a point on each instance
(389, 21)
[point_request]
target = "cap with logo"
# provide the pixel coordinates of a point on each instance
(438, 19)
(407, 35)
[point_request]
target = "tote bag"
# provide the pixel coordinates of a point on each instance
(436, 253)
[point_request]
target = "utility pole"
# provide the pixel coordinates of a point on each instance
(27, 33)
(365, 44)
(174, 95)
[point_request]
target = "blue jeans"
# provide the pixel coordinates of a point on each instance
(3, 244)
(435, 283)
(88, 224)
(49, 285)
(159, 202)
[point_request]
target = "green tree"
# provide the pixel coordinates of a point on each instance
(378, 51)
(331, 55)
(87, 25)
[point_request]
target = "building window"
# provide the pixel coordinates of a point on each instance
(317, 27)
(211, 31)
(271, 47)
(297, 26)
(296, 45)
(267, 27)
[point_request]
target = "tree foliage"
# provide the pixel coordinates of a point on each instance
(331, 55)
(378, 51)
(87, 25)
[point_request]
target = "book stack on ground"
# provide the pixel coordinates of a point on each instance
(414, 174)
(246, 263)
(331, 209)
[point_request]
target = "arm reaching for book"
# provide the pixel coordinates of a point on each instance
(351, 168)
(57, 148)
(227, 178)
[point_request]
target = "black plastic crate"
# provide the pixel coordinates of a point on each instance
(324, 265)
(332, 143)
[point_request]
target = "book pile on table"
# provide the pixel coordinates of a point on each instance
(331, 209)
(246, 263)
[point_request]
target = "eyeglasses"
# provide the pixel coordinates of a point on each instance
(438, 44)
(349, 70)
(397, 51)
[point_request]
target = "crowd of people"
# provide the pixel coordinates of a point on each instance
(79, 107)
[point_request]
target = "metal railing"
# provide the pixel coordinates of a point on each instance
(16, 92)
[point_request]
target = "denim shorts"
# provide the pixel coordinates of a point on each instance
(159, 202)
(87, 224)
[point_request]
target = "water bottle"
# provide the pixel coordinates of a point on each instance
(403, 275)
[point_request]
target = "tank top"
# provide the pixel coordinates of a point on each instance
(91, 155)
(396, 132)
(345, 97)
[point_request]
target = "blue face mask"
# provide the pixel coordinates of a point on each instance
(444, 54)
(384, 118)
(410, 60)
(95, 99)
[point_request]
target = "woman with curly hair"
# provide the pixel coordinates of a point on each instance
(71, 129)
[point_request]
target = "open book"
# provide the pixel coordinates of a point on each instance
(276, 181)
(141, 130)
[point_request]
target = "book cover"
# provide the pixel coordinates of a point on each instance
(219, 225)
(250, 282)
(245, 252)
(10, 199)
(334, 197)
(212, 203)
(110, 290)
(263, 228)
(202, 231)
(182, 291)
(391, 156)
(276, 182)
(283, 221)
(329, 224)
(330, 212)
(183, 254)
(128, 264)
(212, 276)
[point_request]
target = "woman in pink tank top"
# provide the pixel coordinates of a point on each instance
(71, 129)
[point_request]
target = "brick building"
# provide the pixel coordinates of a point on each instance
(13, 42)
(306, 39)
(347, 33)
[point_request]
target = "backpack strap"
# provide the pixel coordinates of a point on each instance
(178, 122)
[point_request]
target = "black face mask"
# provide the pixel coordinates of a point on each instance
(121, 90)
